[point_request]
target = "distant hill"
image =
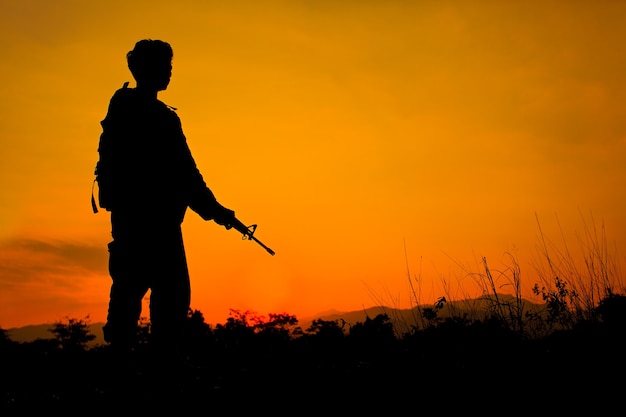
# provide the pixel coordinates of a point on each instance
(402, 319)
(42, 331)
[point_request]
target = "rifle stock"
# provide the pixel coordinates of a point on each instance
(248, 233)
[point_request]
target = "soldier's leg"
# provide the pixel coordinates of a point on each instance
(169, 298)
(128, 288)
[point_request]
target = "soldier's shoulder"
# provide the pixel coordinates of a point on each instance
(168, 112)
(166, 106)
(123, 94)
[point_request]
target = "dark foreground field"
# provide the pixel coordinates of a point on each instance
(454, 367)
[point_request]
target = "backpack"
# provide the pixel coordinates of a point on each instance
(102, 175)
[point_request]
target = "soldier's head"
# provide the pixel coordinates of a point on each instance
(150, 62)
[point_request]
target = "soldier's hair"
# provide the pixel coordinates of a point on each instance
(147, 55)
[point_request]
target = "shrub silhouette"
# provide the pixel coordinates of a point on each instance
(612, 311)
(73, 335)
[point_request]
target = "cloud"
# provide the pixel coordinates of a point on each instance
(31, 262)
(45, 280)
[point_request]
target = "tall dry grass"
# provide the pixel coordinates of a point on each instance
(569, 286)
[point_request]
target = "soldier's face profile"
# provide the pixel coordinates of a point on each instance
(162, 76)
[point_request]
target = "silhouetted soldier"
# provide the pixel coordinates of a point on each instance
(147, 179)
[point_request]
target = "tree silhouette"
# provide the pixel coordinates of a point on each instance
(73, 335)
(4, 337)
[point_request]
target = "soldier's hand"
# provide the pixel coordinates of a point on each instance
(224, 216)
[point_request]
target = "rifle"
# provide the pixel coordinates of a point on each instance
(247, 232)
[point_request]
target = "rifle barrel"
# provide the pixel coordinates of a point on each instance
(271, 252)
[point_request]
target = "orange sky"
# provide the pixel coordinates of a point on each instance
(370, 141)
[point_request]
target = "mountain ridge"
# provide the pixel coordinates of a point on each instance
(402, 319)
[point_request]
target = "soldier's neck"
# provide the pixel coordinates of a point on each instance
(147, 92)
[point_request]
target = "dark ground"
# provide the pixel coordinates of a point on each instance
(497, 380)
(455, 368)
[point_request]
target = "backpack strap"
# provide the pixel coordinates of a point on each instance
(93, 200)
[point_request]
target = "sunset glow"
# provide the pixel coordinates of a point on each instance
(371, 142)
